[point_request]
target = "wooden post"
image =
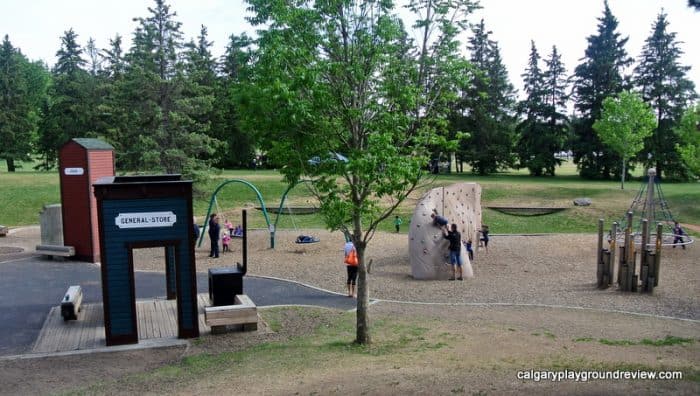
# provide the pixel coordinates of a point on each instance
(599, 261)
(613, 248)
(644, 260)
(657, 253)
(629, 249)
(606, 270)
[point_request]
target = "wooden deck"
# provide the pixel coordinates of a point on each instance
(155, 318)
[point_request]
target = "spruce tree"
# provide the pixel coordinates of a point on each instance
(486, 109)
(663, 84)
(234, 67)
(555, 99)
(70, 111)
(532, 148)
(599, 75)
(164, 102)
(21, 86)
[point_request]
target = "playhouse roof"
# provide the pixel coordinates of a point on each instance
(93, 144)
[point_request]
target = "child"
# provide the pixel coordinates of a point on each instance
(484, 240)
(678, 235)
(468, 246)
(229, 227)
(226, 239)
(238, 231)
(397, 223)
(438, 221)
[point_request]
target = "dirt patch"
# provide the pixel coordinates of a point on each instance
(418, 349)
(10, 250)
(458, 349)
(547, 270)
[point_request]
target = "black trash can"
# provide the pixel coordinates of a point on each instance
(224, 284)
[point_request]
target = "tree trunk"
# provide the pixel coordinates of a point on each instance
(622, 185)
(363, 334)
(10, 164)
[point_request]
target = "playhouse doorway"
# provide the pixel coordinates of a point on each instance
(155, 288)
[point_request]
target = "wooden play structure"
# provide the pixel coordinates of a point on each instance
(144, 212)
(81, 162)
(628, 275)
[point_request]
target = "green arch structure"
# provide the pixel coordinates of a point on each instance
(260, 199)
(271, 227)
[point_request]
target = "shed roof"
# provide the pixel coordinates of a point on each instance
(93, 144)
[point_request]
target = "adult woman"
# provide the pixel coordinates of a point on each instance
(214, 232)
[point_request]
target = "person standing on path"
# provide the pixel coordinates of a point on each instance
(351, 266)
(455, 248)
(214, 232)
(397, 223)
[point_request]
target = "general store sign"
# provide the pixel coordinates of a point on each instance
(145, 220)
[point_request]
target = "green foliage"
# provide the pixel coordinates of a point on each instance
(161, 103)
(485, 108)
(69, 112)
(596, 78)
(624, 124)
(664, 85)
(342, 77)
(668, 341)
(543, 131)
(689, 133)
(239, 149)
(22, 89)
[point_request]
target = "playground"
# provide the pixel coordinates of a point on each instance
(527, 296)
(532, 303)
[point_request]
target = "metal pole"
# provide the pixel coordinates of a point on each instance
(649, 204)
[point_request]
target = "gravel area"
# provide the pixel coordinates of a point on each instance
(548, 269)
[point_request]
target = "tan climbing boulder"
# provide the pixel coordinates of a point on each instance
(460, 204)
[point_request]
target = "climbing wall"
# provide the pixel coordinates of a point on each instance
(460, 204)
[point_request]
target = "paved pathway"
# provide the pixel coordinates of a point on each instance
(30, 286)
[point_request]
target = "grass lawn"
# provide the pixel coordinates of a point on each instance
(25, 192)
(408, 355)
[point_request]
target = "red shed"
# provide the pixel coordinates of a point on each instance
(81, 162)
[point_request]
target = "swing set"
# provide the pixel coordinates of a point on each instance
(302, 239)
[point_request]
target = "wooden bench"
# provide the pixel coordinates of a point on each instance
(243, 314)
(70, 304)
(3, 230)
(55, 250)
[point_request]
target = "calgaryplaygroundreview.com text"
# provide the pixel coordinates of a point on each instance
(592, 375)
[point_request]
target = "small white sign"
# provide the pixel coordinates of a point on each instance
(73, 171)
(145, 219)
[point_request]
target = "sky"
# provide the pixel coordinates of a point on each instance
(35, 26)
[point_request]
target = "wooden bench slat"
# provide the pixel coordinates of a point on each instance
(244, 312)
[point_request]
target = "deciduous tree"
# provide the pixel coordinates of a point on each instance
(341, 76)
(624, 124)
